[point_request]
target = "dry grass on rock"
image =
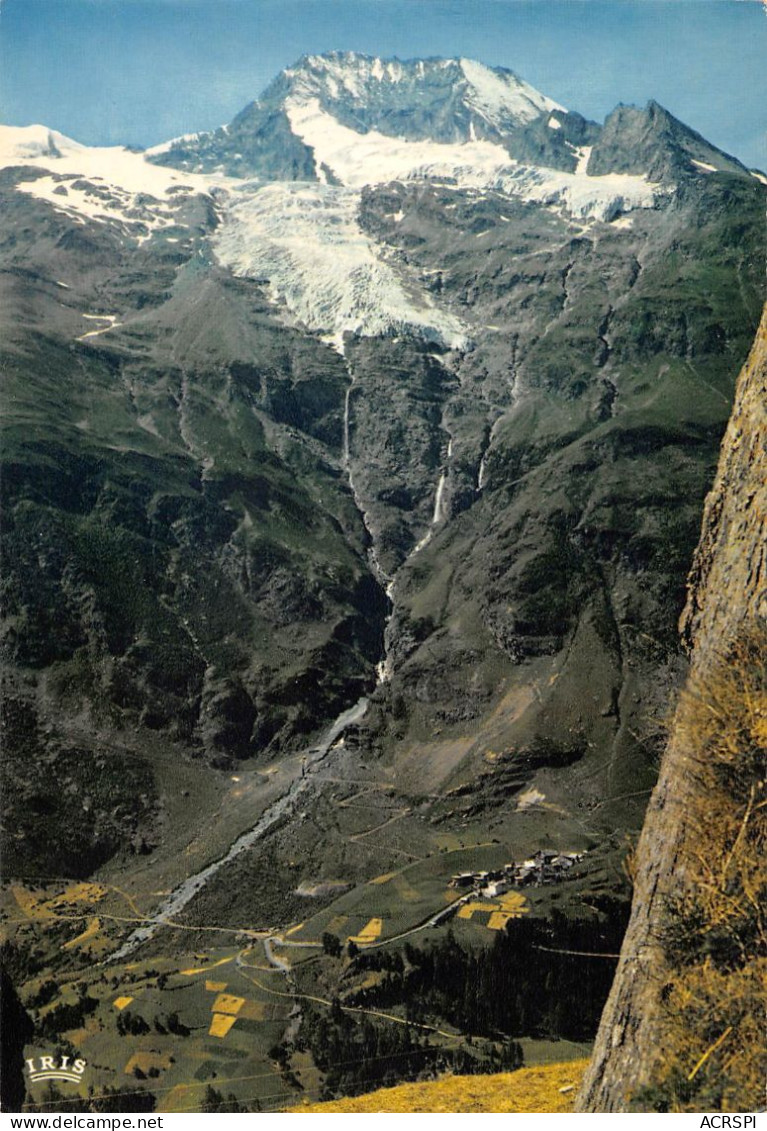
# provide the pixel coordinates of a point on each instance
(543, 1088)
(715, 933)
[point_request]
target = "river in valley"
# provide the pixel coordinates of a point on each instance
(181, 895)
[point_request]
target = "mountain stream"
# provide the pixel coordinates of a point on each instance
(188, 888)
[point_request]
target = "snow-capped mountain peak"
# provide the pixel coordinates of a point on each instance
(287, 179)
(24, 143)
(444, 102)
(501, 98)
(442, 99)
(499, 95)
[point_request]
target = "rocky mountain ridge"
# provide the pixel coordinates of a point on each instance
(443, 102)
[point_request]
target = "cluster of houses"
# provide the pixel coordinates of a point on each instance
(543, 868)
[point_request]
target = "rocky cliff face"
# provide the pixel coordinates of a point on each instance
(727, 600)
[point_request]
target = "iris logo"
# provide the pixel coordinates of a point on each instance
(55, 1068)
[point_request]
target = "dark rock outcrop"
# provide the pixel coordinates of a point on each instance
(16, 1029)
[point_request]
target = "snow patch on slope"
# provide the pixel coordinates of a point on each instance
(164, 146)
(583, 154)
(305, 239)
(19, 144)
(111, 324)
(587, 198)
(374, 158)
(496, 94)
(94, 183)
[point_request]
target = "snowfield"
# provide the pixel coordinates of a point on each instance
(375, 158)
(93, 183)
(495, 96)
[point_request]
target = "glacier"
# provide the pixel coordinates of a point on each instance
(305, 239)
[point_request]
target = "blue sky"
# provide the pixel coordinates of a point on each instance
(141, 71)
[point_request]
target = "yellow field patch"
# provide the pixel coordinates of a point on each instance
(514, 904)
(215, 987)
(338, 922)
(38, 907)
(384, 879)
(470, 909)
(205, 969)
(510, 906)
(172, 1101)
(79, 893)
(30, 904)
(549, 1088)
(78, 1037)
(221, 1024)
(146, 1060)
(294, 930)
(89, 933)
(498, 920)
(370, 932)
(121, 1002)
(227, 1003)
(374, 978)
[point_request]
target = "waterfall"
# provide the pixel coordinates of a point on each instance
(437, 516)
(482, 474)
(347, 400)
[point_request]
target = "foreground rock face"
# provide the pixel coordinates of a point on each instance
(728, 590)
